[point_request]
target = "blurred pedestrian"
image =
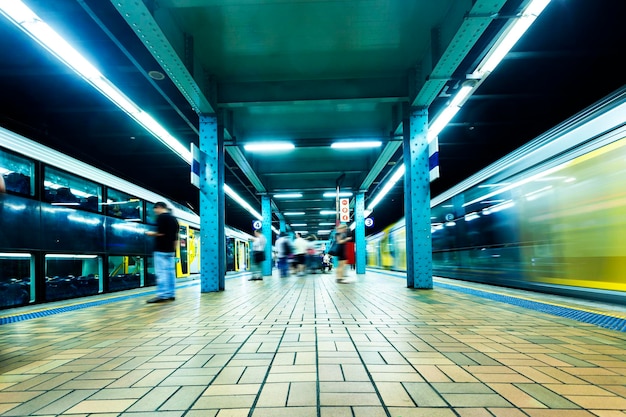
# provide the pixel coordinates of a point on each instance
(258, 255)
(284, 249)
(341, 237)
(300, 246)
(165, 242)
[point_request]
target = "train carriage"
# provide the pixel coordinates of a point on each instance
(550, 217)
(70, 230)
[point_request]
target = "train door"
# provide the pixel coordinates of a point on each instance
(242, 256)
(182, 252)
(194, 251)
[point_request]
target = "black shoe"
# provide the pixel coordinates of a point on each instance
(158, 300)
(170, 298)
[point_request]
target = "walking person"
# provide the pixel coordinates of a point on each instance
(258, 255)
(300, 246)
(284, 249)
(165, 242)
(341, 237)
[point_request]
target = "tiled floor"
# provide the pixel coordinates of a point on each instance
(310, 347)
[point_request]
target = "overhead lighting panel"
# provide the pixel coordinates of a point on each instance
(512, 34)
(333, 194)
(25, 19)
(269, 146)
(356, 144)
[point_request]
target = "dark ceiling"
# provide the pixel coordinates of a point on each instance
(308, 71)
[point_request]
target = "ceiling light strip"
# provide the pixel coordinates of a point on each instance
(502, 46)
(269, 146)
(356, 145)
(25, 19)
(232, 194)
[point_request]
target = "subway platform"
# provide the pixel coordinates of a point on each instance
(312, 347)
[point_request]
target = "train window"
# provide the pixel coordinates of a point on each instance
(125, 272)
(17, 173)
(61, 188)
(16, 279)
(72, 275)
(124, 206)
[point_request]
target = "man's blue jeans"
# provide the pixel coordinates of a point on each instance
(165, 270)
(283, 267)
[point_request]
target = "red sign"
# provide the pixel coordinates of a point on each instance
(344, 210)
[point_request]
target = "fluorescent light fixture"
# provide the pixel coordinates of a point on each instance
(328, 212)
(356, 144)
(70, 256)
(15, 255)
(388, 186)
(288, 195)
(449, 112)
(269, 146)
(327, 224)
(298, 225)
(502, 46)
(294, 213)
(302, 232)
(24, 18)
(512, 34)
(341, 194)
(464, 92)
(323, 232)
(232, 194)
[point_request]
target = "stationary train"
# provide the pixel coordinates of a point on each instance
(550, 217)
(70, 230)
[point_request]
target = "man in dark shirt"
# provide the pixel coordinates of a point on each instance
(164, 253)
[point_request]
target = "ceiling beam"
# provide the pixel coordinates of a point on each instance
(382, 161)
(389, 89)
(246, 168)
(153, 36)
(472, 26)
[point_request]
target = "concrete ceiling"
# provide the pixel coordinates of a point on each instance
(306, 71)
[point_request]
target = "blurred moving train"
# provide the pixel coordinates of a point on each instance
(549, 217)
(70, 230)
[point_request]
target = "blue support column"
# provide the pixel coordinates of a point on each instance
(419, 261)
(283, 226)
(266, 212)
(212, 239)
(359, 219)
